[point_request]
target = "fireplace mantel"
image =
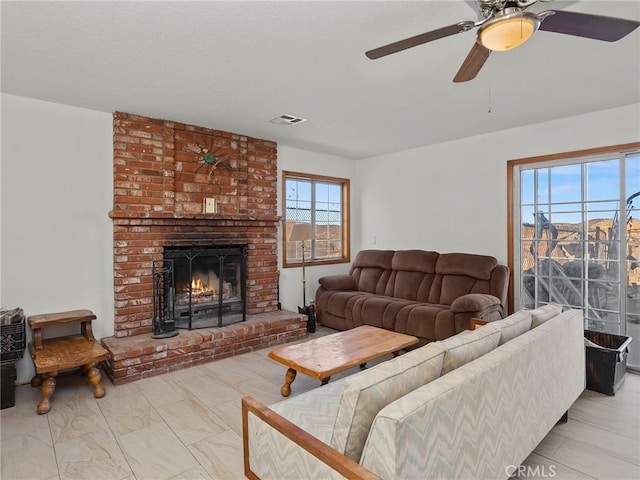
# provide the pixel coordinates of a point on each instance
(206, 217)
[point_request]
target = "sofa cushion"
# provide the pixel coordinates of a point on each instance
(425, 321)
(379, 311)
(374, 259)
(410, 285)
(340, 302)
(447, 288)
(372, 280)
(372, 269)
(474, 302)
(469, 265)
(544, 313)
(415, 261)
(338, 282)
(514, 325)
(366, 393)
(468, 345)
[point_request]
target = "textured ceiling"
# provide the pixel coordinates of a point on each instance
(234, 65)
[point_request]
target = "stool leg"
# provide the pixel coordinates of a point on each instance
(95, 378)
(48, 387)
(36, 381)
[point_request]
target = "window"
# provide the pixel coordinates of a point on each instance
(575, 236)
(322, 202)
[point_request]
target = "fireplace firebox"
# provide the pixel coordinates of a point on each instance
(196, 287)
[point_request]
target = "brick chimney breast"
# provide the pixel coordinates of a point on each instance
(162, 172)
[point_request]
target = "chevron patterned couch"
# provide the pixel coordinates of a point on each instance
(429, 295)
(472, 406)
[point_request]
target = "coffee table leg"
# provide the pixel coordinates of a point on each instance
(288, 380)
(324, 381)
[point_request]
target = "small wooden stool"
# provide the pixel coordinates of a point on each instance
(54, 354)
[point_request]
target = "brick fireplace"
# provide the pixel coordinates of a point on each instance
(163, 173)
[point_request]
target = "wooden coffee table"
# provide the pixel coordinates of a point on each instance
(324, 356)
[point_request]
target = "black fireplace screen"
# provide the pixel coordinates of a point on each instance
(201, 287)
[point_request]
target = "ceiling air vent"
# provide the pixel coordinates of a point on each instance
(286, 119)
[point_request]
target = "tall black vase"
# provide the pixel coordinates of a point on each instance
(310, 312)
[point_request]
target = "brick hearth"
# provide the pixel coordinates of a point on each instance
(140, 356)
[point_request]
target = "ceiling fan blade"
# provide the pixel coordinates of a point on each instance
(472, 64)
(419, 39)
(586, 25)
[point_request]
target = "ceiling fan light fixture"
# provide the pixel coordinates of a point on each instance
(508, 31)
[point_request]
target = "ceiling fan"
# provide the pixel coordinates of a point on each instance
(505, 24)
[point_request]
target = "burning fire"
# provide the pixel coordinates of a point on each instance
(200, 291)
(199, 288)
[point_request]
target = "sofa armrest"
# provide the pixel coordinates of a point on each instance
(474, 302)
(322, 455)
(338, 282)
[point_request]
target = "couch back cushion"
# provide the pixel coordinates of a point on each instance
(366, 393)
(372, 269)
(468, 345)
(460, 273)
(544, 313)
(413, 274)
(514, 325)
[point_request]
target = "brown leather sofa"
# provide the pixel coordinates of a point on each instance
(426, 294)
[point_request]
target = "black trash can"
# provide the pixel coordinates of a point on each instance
(12, 345)
(8, 392)
(606, 361)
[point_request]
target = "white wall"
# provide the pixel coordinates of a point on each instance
(452, 196)
(304, 161)
(56, 186)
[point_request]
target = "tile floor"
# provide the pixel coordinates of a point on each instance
(186, 425)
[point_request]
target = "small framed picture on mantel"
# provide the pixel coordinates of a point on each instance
(209, 205)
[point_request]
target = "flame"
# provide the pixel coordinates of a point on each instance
(199, 287)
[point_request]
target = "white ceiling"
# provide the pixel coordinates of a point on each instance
(234, 65)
